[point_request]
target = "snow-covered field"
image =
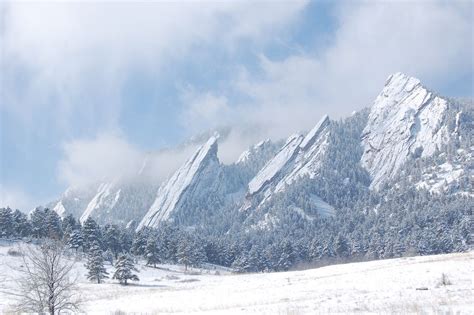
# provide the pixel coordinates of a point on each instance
(388, 286)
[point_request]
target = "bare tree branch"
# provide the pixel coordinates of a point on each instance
(44, 283)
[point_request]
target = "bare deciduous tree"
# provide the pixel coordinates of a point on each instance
(44, 284)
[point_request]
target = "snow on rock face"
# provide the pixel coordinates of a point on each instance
(446, 178)
(271, 169)
(299, 157)
(310, 156)
(60, 210)
(170, 192)
(102, 193)
(256, 149)
(406, 119)
(313, 134)
(73, 201)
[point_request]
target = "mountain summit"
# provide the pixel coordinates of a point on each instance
(406, 120)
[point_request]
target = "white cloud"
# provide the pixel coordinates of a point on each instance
(15, 199)
(103, 158)
(110, 157)
(74, 49)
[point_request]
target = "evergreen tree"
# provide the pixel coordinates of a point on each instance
(287, 256)
(69, 222)
(185, 252)
(112, 239)
(6, 222)
(95, 264)
(341, 246)
(152, 252)
(140, 241)
(38, 223)
(21, 225)
(90, 233)
(53, 224)
(124, 268)
(75, 241)
(242, 264)
(190, 252)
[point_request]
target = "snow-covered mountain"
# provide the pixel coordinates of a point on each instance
(410, 136)
(301, 156)
(73, 201)
(120, 202)
(203, 184)
(407, 120)
(305, 159)
(201, 166)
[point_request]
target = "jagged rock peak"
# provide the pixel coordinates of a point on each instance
(170, 192)
(314, 133)
(244, 157)
(406, 119)
(296, 147)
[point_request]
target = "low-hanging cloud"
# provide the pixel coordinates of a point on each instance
(102, 158)
(16, 199)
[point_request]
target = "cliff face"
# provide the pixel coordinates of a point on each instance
(405, 120)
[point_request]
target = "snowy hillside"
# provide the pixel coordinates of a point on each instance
(404, 285)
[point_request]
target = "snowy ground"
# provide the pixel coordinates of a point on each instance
(388, 286)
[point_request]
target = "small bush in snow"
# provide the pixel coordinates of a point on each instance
(13, 252)
(444, 280)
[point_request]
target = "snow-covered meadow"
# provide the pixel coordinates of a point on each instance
(405, 285)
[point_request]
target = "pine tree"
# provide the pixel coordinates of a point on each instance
(112, 239)
(21, 226)
(140, 241)
(75, 240)
(90, 233)
(53, 224)
(242, 264)
(38, 223)
(71, 222)
(6, 222)
(95, 264)
(185, 252)
(341, 246)
(124, 268)
(287, 256)
(151, 252)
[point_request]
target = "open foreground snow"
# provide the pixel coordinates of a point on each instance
(405, 285)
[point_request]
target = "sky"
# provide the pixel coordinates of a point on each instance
(88, 89)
